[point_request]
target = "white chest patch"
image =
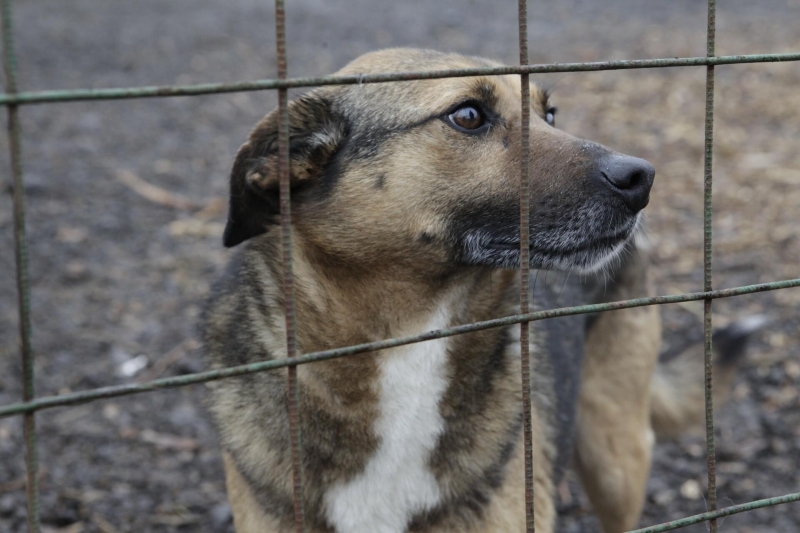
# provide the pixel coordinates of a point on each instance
(396, 483)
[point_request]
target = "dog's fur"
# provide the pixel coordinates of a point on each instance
(404, 224)
(630, 396)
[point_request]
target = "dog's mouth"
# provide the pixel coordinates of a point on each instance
(579, 252)
(601, 242)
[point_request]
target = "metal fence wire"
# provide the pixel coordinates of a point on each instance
(29, 405)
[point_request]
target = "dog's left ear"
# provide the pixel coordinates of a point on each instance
(315, 134)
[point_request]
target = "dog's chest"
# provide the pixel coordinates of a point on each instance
(397, 483)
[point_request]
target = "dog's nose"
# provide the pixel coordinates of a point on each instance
(630, 177)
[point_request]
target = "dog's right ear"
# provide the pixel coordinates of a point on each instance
(315, 134)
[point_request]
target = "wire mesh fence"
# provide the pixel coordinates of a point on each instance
(30, 404)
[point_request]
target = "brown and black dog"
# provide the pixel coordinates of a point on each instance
(405, 219)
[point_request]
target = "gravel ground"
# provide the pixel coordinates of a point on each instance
(118, 277)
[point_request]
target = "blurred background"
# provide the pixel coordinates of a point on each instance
(119, 270)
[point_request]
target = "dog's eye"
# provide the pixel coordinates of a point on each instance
(550, 116)
(467, 118)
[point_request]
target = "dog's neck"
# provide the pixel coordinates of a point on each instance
(347, 305)
(393, 425)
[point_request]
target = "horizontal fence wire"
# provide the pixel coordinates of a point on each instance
(721, 513)
(60, 96)
(47, 402)
(30, 405)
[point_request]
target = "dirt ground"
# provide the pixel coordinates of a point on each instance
(118, 278)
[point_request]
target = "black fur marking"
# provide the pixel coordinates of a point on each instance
(590, 322)
(380, 183)
(471, 505)
(367, 143)
(731, 342)
(426, 238)
(469, 397)
(486, 94)
(564, 339)
(252, 209)
(574, 232)
(544, 100)
(272, 500)
(324, 186)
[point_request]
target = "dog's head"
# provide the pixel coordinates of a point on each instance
(426, 174)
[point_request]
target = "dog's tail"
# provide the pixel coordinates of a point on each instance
(677, 393)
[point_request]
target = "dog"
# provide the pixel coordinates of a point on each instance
(405, 219)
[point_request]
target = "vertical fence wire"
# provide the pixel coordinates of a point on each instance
(707, 264)
(524, 264)
(288, 280)
(23, 283)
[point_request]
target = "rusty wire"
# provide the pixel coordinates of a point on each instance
(74, 398)
(160, 91)
(29, 405)
(708, 355)
(525, 263)
(23, 281)
(292, 393)
(721, 513)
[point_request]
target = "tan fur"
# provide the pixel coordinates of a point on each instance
(248, 517)
(614, 438)
(629, 397)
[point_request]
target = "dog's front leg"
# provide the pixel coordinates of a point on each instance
(248, 516)
(614, 438)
